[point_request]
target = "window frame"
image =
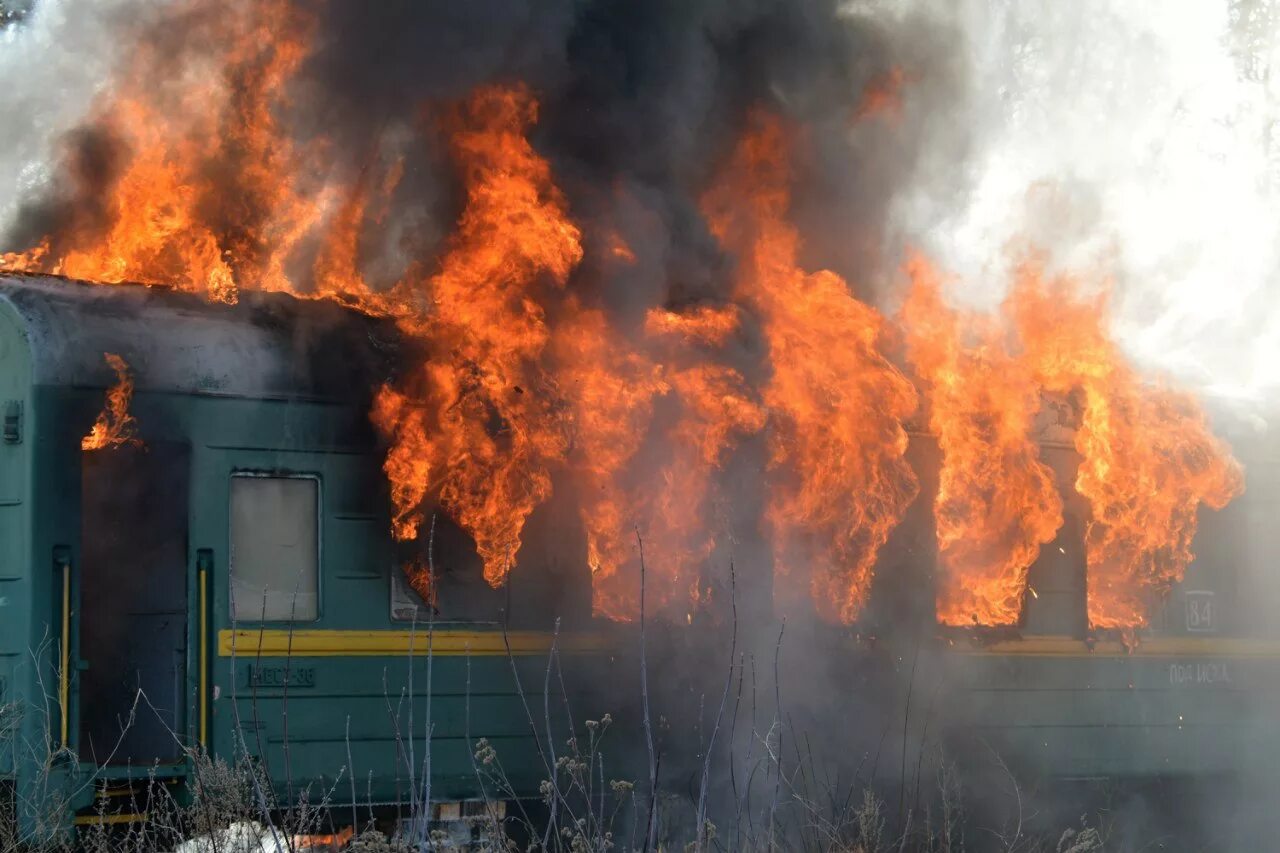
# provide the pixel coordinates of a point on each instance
(399, 581)
(267, 474)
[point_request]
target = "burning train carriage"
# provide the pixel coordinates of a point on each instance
(228, 556)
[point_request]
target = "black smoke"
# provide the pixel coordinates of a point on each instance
(640, 102)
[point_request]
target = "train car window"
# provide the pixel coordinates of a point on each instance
(539, 589)
(1057, 583)
(460, 593)
(407, 604)
(275, 545)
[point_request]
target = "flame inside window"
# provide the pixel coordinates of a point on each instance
(114, 426)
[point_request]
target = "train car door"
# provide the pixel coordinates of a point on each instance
(133, 604)
(257, 526)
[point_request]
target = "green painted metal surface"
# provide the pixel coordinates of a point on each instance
(15, 524)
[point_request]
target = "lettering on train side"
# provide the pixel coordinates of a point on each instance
(1192, 674)
(279, 676)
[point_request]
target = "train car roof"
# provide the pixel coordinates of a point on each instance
(269, 345)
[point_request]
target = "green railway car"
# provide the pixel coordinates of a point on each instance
(233, 563)
(228, 582)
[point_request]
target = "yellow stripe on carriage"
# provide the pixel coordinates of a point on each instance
(1157, 647)
(248, 642)
(108, 819)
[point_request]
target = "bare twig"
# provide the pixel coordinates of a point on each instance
(651, 831)
(724, 698)
(777, 695)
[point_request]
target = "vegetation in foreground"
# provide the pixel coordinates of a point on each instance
(582, 809)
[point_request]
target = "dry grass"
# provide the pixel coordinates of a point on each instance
(584, 810)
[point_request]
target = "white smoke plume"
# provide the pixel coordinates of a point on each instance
(1134, 139)
(53, 61)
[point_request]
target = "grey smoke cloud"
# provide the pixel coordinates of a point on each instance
(53, 61)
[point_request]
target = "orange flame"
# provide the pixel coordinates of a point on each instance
(336, 271)
(477, 425)
(705, 324)
(32, 259)
(114, 426)
(882, 97)
(1148, 457)
(619, 250)
(611, 393)
(518, 382)
(614, 393)
(837, 443)
(997, 503)
(208, 216)
(422, 581)
(717, 408)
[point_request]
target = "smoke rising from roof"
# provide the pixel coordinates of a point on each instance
(1118, 138)
(638, 103)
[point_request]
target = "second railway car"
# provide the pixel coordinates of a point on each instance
(1190, 695)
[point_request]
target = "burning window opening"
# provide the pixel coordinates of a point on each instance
(997, 502)
(840, 481)
(114, 426)
(487, 334)
(1149, 459)
(423, 583)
